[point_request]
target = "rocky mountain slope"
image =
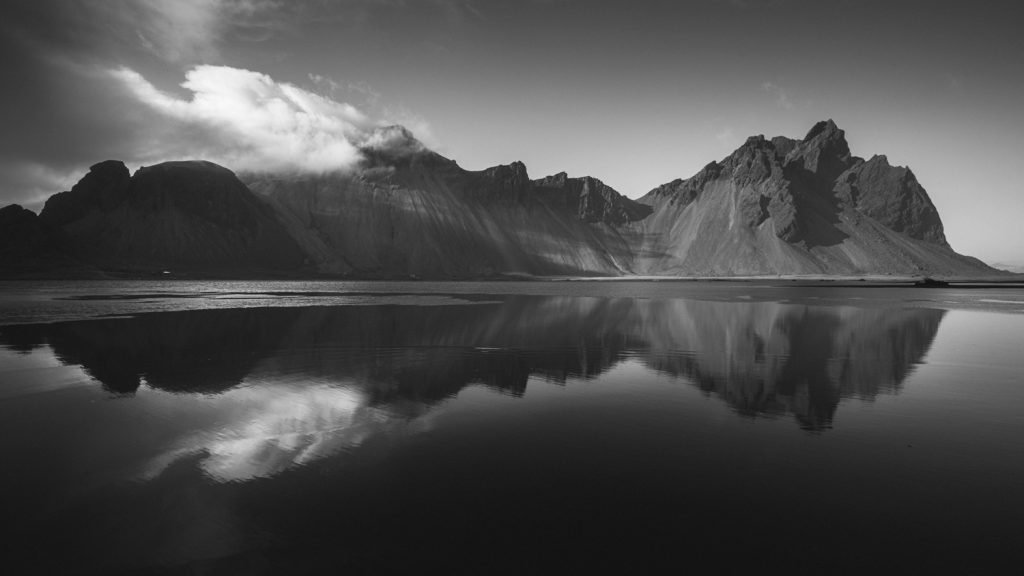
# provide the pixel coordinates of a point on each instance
(194, 216)
(796, 207)
(31, 247)
(774, 206)
(418, 213)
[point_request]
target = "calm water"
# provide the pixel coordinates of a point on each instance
(481, 428)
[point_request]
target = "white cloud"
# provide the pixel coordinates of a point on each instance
(248, 121)
(370, 99)
(779, 93)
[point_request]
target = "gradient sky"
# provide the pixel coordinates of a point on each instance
(635, 93)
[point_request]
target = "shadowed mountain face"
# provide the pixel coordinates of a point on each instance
(30, 246)
(193, 216)
(778, 206)
(761, 358)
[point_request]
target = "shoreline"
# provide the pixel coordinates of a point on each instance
(809, 280)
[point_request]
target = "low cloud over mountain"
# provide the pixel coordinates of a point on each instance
(250, 122)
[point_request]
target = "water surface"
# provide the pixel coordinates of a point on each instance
(504, 427)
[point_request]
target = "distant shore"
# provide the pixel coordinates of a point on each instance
(1008, 280)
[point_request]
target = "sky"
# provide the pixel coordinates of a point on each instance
(636, 93)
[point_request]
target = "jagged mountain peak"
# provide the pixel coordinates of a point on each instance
(802, 206)
(774, 205)
(756, 141)
(824, 152)
(825, 129)
(512, 175)
(751, 147)
(395, 147)
(684, 191)
(395, 138)
(110, 169)
(592, 200)
(553, 181)
(826, 136)
(883, 160)
(754, 161)
(104, 187)
(892, 196)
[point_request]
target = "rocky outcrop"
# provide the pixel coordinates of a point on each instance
(823, 153)
(891, 196)
(30, 247)
(103, 189)
(507, 182)
(177, 216)
(21, 232)
(592, 200)
(784, 206)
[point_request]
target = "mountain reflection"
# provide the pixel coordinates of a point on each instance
(770, 358)
(304, 383)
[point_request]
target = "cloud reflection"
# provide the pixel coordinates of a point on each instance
(262, 431)
(250, 393)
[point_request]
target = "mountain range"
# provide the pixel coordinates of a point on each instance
(773, 206)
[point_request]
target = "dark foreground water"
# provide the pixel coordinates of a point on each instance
(502, 428)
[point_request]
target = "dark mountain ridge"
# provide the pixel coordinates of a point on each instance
(773, 206)
(31, 247)
(192, 215)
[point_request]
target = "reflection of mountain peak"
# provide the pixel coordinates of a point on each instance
(760, 357)
(769, 358)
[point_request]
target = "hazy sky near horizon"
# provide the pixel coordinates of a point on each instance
(636, 93)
